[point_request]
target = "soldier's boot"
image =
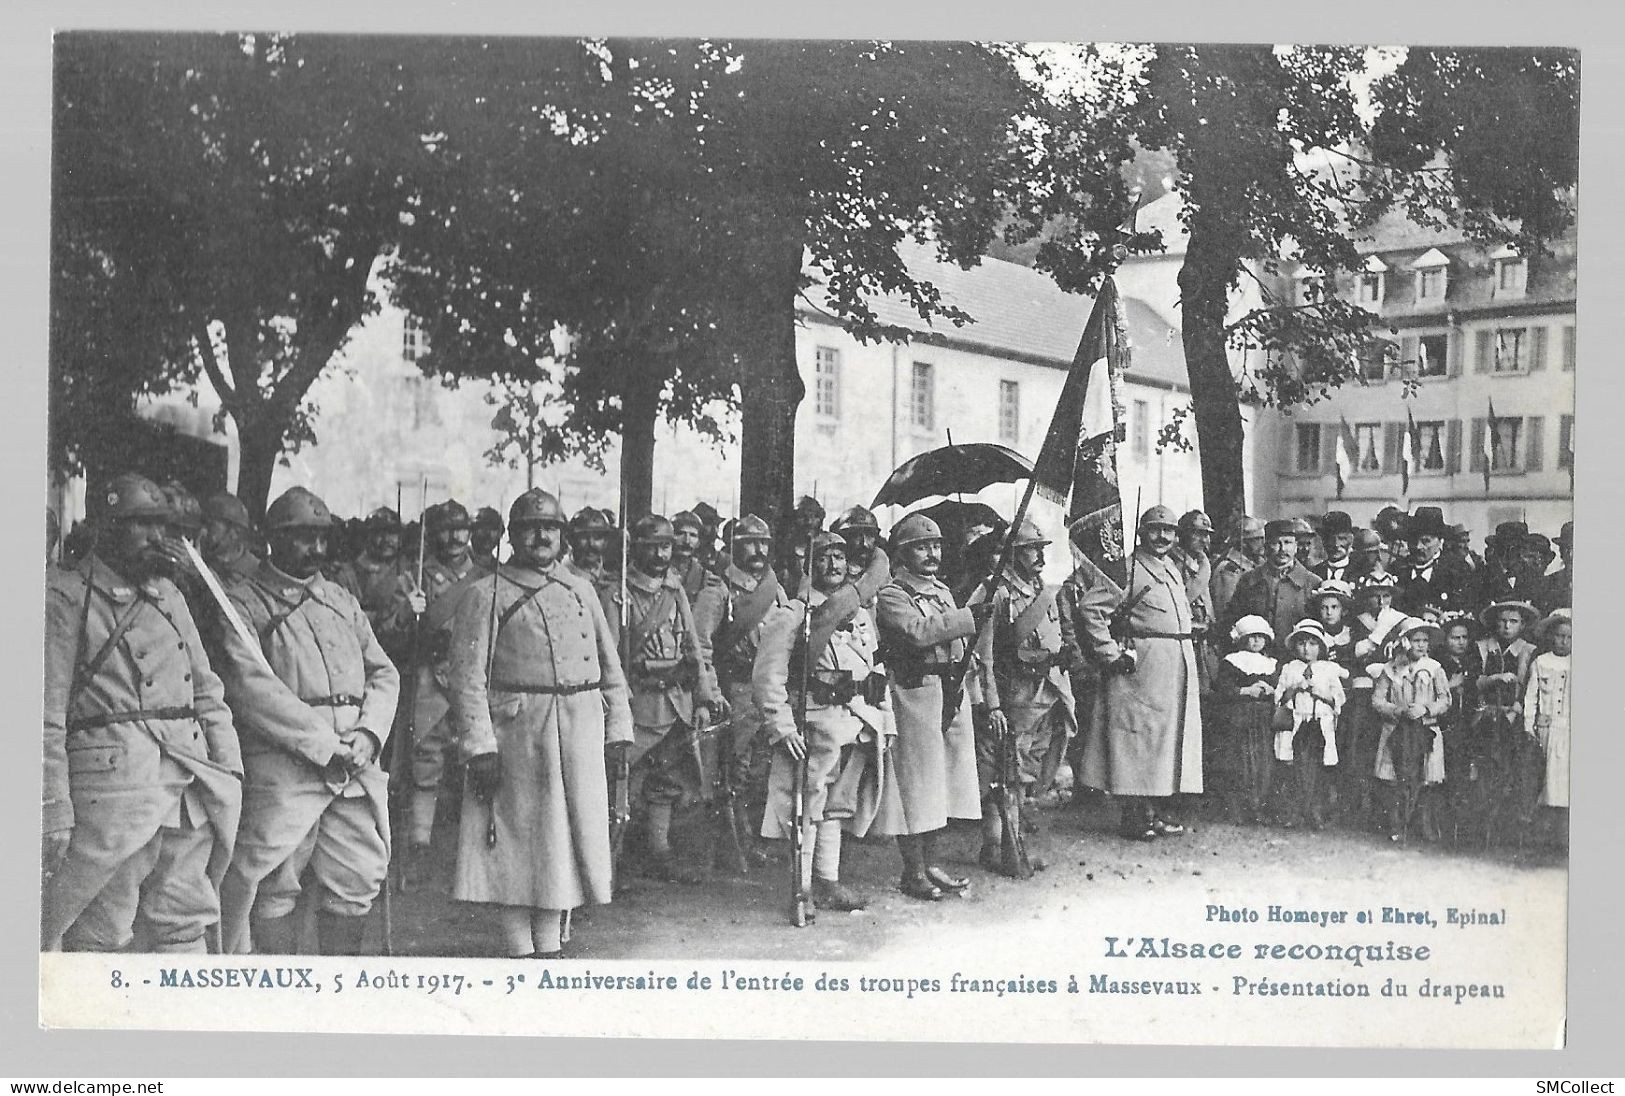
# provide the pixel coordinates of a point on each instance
(992, 836)
(915, 883)
(340, 933)
(832, 894)
(276, 935)
(661, 862)
(949, 884)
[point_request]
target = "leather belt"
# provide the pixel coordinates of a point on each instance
(1161, 635)
(545, 690)
(108, 719)
(337, 700)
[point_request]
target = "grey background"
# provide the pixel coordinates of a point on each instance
(1595, 963)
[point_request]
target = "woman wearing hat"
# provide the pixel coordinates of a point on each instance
(1547, 701)
(1411, 697)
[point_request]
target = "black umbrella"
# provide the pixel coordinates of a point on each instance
(952, 470)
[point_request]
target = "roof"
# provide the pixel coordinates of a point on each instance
(1021, 313)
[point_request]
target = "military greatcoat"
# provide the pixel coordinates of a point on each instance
(548, 701)
(331, 676)
(1020, 664)
(924, 635)
(144, 740)
(1145, 734)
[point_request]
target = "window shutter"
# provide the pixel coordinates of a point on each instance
(1452, 447)
(1537, 348)
(1486, 352)
(1453, 352)
(1289, 444)
(1328, 447)
(1391, 432)
(1475, 446)
(1568, 349)
(1534, 449)
(1409, 356)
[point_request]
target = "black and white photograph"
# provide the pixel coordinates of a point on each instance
(851, 538)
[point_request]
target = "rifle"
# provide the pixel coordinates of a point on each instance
(620, 805)
(400, 766)
(1006, 789)
(727, 799)
(798, 794)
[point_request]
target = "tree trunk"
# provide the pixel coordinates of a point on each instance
(771, 396)
(640, 411)
(1204, 288)
(259, 446)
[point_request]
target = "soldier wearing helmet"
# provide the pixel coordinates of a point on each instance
(590, 533)
(673, 690)
(1277, 589)
(843, 736)
(225, 539)
(729, 614)
(374, 575)
(689, 549)
(138, 825)
(1021, 664)
(1190, 555)
(419, 625)
(1245, 551)
(1145, 734)
(537, 694)
(484, 537)
(867, 564)
(315, 727)
(925, 636)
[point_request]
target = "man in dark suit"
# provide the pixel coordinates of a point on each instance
(1505, 576)
(1337, 535)
(1556, 590)
(1431, 578)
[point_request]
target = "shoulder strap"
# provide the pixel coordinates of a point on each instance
(749, 611)
(645, 625)
(277, 620)
(1027, 622)
(87, 672)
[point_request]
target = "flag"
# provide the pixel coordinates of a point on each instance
(1077, 466)
(1489, 443)
(1407, 453)
(1342, 458)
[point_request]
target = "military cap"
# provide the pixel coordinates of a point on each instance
(488, 518)
(1027, 534)
(227, 507)
(1281, 527)
(131, 496)
(588, 520)
(184, 508)
(913, 529)
(1335, 522)
(298, 508)
(855, 519)
(652, 529)
(827, 542)
(450, 514)
(1251, 527)
(1427, 521)
(687, 519)
(1565, 539)
(1195, 521)
(1366, 540)
(1303, 527)
(751, 527)
(1159, 515)
(535, 507)
(383, 518)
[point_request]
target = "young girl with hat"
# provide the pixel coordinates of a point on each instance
(1332, 605)
(1245, 689)
(1310, 696)
(1461, 630)
(1503, 762)
(1375, 636)
(1546, 704)
(1411, 696)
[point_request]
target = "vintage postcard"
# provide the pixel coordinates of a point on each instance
(881, 540)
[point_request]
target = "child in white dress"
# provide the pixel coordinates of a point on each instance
(1310, 696)
(1546, 705)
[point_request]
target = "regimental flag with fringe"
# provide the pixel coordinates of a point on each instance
(1077, 467)
(1343, 455)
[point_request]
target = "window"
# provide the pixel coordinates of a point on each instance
(1511, 276)
(1511, 349)
(1433, 356)
(1308, 447)
(827, 383)
(1565, 442)
(1568, 349)
(1142, 430)
(922, 397)
(1367, 443)
(1376, 358)
(1370, 288)
(412, 341)
(1504, 455)
(1430, 446)
(1010, 412)
(1430, 284)
(1432, 276)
